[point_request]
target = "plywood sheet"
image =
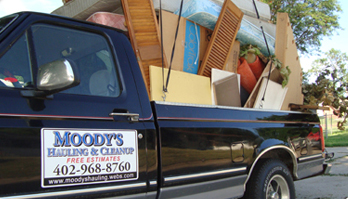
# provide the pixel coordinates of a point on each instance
(144, 35)
(183, 87)
(222, 40)
(286, 52)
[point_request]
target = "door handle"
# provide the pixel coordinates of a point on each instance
(134, 117)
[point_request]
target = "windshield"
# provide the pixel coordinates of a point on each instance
(6, 21)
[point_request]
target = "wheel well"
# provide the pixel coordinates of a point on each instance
(279, 154)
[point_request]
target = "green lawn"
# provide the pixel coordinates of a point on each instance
(337, 138)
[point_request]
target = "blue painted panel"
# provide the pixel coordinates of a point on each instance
(191, 54)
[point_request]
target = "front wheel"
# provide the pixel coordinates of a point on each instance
(272, 180)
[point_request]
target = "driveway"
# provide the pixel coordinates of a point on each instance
(331, 185)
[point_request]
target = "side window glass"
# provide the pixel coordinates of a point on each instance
(15, 69)
(89, 51)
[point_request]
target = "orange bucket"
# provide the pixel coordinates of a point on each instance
(247, 77)
(257, 66)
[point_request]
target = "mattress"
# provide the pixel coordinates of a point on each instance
(203, 12)
(168, 5)
(108, 19)
(246, 6)
(251, 34)
(269, 28)
(206, 13)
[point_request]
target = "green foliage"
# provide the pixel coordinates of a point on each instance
(311, 20)
(331, 84)
(285, 73)
(277, 63)
(249, 49)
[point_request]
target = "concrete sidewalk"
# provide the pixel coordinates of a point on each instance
(332, 185)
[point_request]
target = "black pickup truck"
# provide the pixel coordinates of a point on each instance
(76, 122)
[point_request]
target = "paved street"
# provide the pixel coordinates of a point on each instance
(333, 185)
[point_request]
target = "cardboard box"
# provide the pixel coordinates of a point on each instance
(191, 43)
(232, 63)
(183, 87)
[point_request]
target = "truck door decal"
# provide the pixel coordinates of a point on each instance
(87, 156)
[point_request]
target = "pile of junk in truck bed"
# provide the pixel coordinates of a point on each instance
(214, 50)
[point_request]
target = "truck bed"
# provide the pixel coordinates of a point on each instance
(199, 142)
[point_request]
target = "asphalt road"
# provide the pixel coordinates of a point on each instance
(332, 185)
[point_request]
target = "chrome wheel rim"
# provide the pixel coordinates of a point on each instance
(277, 188)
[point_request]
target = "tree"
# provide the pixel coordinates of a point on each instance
(311, 20)
(331, 83)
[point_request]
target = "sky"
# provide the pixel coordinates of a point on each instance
(11, 6)
(338, 41)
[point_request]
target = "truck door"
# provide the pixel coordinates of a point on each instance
(83, 141)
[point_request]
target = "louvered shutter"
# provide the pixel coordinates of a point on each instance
(144, 35)
(221, 43)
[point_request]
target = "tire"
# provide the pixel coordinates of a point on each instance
(272, 180)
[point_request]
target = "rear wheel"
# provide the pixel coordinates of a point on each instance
(272, 180)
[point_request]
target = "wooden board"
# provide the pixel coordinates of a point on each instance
(183, 87)
(286, 52)
(224, 34)
(144, 35)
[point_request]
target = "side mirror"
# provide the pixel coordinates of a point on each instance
(54, 77)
